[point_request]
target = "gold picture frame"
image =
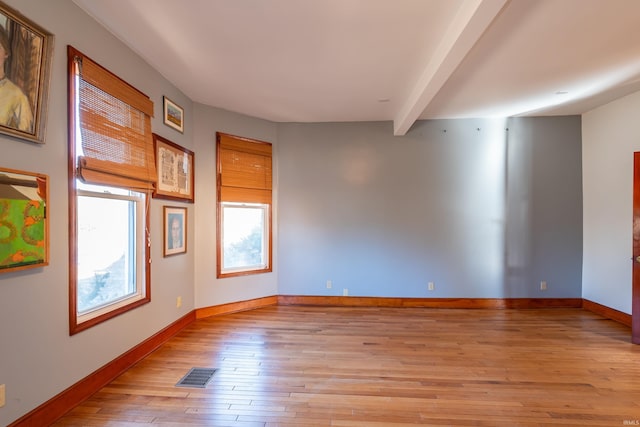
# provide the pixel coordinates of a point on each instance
(175, 230)
(174, 166)
(26, 64)
(24, 225)
(173, 114)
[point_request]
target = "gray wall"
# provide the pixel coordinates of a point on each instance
(38, 358)
(476, 209)
(543, 234)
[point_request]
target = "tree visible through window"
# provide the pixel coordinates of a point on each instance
(107, 241)
(244, 236)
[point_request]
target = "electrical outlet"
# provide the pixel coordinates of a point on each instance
(329, 284)
(2, 395)
(178, 302)
(543, 285)
(431, 286)
(345, 292)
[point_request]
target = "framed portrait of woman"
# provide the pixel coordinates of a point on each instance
(25, 57)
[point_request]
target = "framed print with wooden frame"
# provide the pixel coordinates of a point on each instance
(24, 225)
(175, 230)
(174, 165)
(173, 114)
(25, 53)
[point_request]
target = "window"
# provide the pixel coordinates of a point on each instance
(111, 175)
(106, 266)
(244, 206)
(245, 237)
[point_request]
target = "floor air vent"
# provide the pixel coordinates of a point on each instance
(196, 377)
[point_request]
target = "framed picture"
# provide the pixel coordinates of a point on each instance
(173, 115)
(24, 226)
(175, 230)
(25, 54)
(174, 166)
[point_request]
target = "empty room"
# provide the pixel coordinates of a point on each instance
(320, 212)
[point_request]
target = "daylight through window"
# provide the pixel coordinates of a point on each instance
(244, 206)
(111, 175)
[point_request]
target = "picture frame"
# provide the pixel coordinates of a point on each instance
(175, 169)
(175, 230)
(173, 114)
(27, 70)
(24, 224)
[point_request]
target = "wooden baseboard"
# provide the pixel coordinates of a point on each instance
(59, 405)
(608, 312)
(234, 307)
(496, 303)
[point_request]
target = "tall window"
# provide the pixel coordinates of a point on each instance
(244, 206)
(111, 174)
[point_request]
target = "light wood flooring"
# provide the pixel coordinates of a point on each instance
(354, 367)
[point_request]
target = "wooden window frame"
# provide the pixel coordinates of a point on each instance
(251, 196)
(73, 175)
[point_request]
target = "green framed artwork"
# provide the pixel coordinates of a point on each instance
(24, 226)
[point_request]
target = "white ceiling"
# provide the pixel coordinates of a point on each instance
(390, 60)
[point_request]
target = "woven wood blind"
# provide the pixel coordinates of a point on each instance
(115, 126)
(245, 170)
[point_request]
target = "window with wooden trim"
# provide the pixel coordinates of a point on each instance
(111, 175)
(244, 206)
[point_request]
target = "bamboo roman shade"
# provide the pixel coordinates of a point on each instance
(115, 126)
(244, 170)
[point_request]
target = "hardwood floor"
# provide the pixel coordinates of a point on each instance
(318, 366)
